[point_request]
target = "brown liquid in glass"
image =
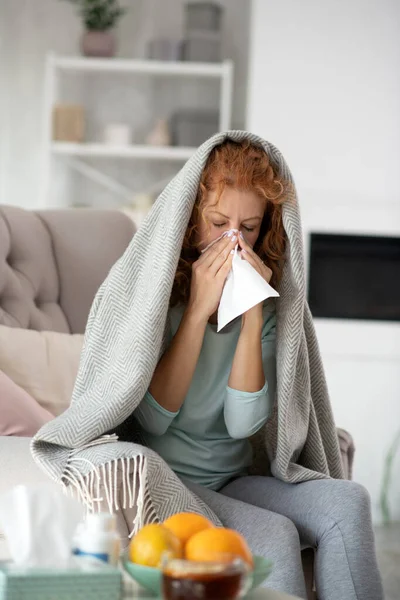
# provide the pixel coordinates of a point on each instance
(224, 585)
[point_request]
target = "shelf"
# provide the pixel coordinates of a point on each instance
(76, 156)
(150, 67)
(173, 153)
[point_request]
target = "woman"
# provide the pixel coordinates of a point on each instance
(211, 391)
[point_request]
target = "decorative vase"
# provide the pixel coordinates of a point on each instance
(117, 134)
(160, 134)
(98, 43)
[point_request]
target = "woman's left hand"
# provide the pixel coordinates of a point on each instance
(248, 254)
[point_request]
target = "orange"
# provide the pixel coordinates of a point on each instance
(209, 543)
(184, 525)
(152, 543)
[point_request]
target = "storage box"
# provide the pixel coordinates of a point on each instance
(68, 123)
(202, 47)
(83, 581)
(191, 127)
(203, 16)
(164, 49)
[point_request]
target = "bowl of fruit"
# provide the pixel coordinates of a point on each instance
(187, 552)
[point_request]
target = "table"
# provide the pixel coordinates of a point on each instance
(134, 592)
(265, 594)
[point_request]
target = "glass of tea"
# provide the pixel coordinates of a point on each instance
(225, 577)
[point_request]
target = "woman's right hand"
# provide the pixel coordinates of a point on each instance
(209, 274)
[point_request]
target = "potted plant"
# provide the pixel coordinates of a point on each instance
(99, 18)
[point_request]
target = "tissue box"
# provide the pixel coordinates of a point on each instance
(192, 127)
(82, 581)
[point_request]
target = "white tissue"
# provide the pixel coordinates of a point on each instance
(244, 288)
(39, 523)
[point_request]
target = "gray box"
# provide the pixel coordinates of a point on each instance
(202, 47)
(190, 127)
(164, 49)
(203, 16)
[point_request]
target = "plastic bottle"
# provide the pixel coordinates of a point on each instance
(98, 537)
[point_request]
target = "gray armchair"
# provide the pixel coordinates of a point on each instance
(51, 265)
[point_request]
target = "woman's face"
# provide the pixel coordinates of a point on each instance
(236, 209)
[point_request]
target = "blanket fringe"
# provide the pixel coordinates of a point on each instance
(122, 480)
(141, 473)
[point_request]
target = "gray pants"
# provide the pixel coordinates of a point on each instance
(278, 519)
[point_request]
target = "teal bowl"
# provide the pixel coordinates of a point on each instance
(261, 571)
(150, 577)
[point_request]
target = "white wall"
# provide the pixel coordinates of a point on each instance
(30, 29)
(324, 87)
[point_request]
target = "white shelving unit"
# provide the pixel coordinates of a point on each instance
(134, 151)
(76, 153)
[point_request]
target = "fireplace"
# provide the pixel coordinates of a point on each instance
(354, 277)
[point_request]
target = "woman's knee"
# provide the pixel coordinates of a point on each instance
(359, 506)
(350, 502)
(272, 535)
(360, 495)
(284, 530)
(356, 497)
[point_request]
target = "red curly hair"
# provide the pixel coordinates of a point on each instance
(243, 166)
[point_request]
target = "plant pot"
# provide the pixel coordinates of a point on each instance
(98, 43)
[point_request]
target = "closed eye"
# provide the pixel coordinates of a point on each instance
(248, 229)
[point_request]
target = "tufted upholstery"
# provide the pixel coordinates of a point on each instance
(52, 263)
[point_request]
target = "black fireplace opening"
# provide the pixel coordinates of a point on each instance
(354, 277)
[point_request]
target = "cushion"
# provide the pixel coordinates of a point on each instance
(20, 413)
(43, 363)
(52, 263)
(86, 243)
(29, 281)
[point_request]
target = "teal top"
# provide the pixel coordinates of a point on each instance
(206, 440)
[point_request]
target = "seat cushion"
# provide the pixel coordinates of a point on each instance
(20, 414)
(43, 363)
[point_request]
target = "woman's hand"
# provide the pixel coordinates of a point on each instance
(248, 254)
(209, 274)
(253, 318)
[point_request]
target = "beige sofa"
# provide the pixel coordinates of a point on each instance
(51, 264)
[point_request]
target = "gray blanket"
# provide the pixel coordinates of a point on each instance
(82, 448)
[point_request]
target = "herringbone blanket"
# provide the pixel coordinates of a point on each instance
(123, 343)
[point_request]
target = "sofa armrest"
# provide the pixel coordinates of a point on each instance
(347, 450)
(17, 465)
